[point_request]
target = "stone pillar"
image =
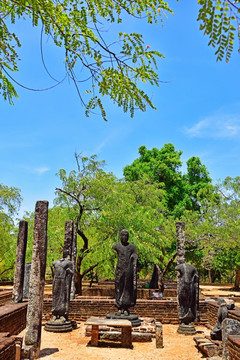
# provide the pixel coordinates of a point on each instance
(37, 280)
(180, 227)
(17, 295)
(68, 241)
(26, 282)
(159, 335)
(74, 256)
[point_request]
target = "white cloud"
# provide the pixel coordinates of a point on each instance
(33, 170)
(218, 125)
(41, 170)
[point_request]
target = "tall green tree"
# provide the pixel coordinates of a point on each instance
(163, 167)
(10, 200)
(217, 231)
(139, 208)
(115, 68)
(102, 206)
(83, 193)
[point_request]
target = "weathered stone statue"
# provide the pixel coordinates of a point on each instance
(216, 333)
(63, 271)
(125, 274)
(125, 278)
(188, 297)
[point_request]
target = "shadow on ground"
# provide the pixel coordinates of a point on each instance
(108, 344)
(48, 351)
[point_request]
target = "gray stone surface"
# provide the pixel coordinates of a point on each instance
(37, 280)
(63, 271)
(17, 295)
(135, 321)
(159, 335)
(73, 258)
(116, 336)
(27, 272)
(125, 274)
(68, 240)
(180, 228)
(216, 333)
(188, 293)
(229, 302)
(229, 327)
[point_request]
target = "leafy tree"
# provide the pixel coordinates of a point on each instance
(139, 208)
(113, 69)
(84, 192)
(217, 230)
(102, 206)
(163, 167)
(10, 200)
(56, 230)
(220, 21)
(229, 224)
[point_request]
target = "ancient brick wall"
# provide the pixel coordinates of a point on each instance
(212, 309)
(5, 297)
(8, 346)
(234, 347)
(109, 291)
(164, 311)
(13, 318)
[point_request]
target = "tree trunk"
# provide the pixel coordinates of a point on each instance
(237, 280)
(209, 276)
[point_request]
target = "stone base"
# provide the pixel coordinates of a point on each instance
(58, 327)
(116, 336)
(131, 317)
(207, 347)
(30, 352)
(186, 329)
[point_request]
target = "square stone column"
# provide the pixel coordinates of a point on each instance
(180, 228)
(37, 281)
(17, 295)
(68, 240)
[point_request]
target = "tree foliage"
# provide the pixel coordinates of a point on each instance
(219, 20)
(183, 192)
(113, 68)
(102, 206)
(10, 200)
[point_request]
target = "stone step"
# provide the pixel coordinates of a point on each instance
(206, 346)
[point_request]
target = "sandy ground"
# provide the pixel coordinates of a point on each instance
(75, 346)
(221, 290)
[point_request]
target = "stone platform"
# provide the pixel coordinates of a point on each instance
(125, 325)
(133, 318)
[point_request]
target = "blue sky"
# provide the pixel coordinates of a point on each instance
(198, 111)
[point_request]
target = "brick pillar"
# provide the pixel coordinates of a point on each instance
(17, 295)
(126, 337)
(37, 280)
(94, 339)
(180, 227)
